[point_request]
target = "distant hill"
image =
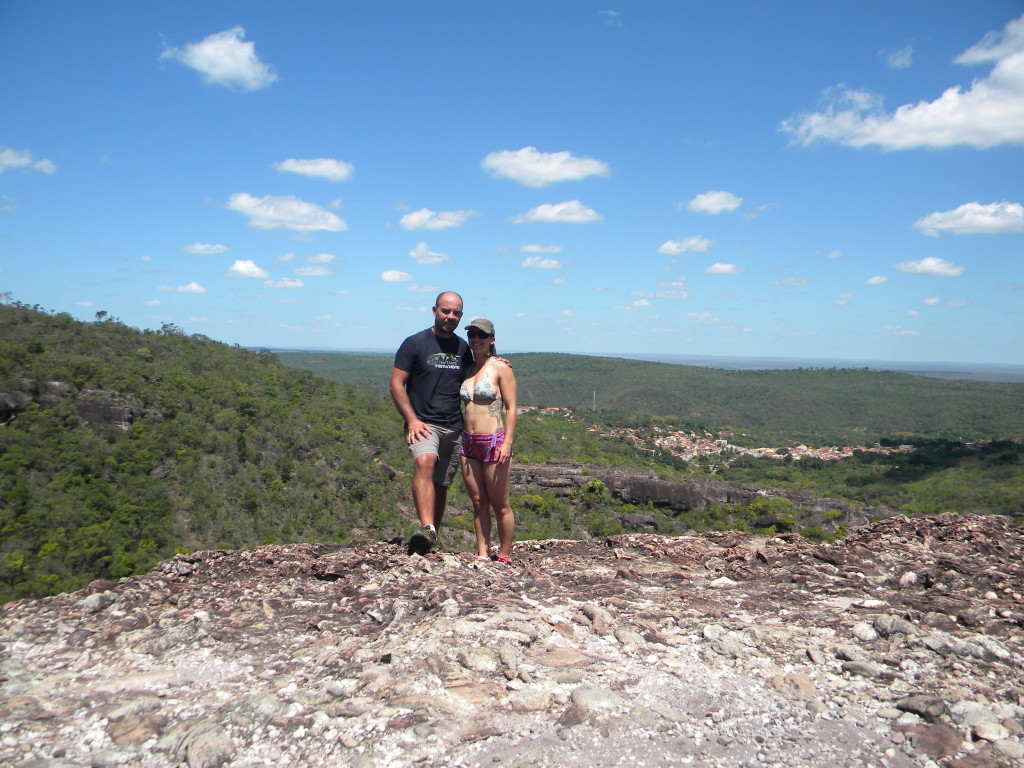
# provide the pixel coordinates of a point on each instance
(816, 405)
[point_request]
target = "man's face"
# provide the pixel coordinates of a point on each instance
(447, 314)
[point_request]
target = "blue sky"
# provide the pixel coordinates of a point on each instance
(798, 179)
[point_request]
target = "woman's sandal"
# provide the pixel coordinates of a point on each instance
(503, 559)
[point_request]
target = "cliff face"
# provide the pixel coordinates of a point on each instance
(900, 646)
(562, 478)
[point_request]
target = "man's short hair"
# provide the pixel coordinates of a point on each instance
(437, 301)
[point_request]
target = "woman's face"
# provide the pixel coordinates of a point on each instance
(479, 344)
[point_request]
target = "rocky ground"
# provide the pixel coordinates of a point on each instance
(900, 646)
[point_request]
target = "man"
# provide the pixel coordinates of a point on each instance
(425, 387)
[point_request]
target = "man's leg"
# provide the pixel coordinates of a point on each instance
(424, 489)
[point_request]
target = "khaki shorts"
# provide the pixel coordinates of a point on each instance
(443, 443)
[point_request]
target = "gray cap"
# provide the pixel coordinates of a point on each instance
(481, 324)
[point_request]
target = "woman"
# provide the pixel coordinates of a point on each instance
(489, 423)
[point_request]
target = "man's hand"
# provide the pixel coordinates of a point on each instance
(416, 430)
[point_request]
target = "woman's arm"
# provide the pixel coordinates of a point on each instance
(507, 388)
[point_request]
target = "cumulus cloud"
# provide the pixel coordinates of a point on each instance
(424, 289)
(205, 249)
(320, 167)
(246, 268)
(931, 265)
(395, 276)
(989, 113)
(539, 169)
(224, 58)
(834, 255)
(714, 202)
(791, 282)
(192, 287)
(568, 212)
(725, 269)
(876, 280)
(286, 283)
(14, 158)
(975, 219)
(696, 244)
(673, 289)
(541, 249)
(421, 254)
(321, 258)
(932, 301)
(285, 213)
(536, 262)
(434, 220)
(312, 271)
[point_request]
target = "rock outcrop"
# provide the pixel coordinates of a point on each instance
(900, 646)
(562, 478)
(93, 406)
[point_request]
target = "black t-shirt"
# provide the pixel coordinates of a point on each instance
(435, 374)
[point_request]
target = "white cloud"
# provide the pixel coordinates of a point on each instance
(931, 265)
(900, 59)
(975, 219)
(876, 280)
(13, 158)
(284, 258)
(423, 255)
(725, 269)
(536, 262)
(539, 169)
(285, 213)
(683, 244)
(190, 288)
(395, 276)
(989, 113)
(791, 282)
(321, 258)
(714, 202)
(225, 59)
(702, 318)
(541, 249)
(205, 249)
(151, 303)
(424, 289)
(568, 212)
(638, 304)
(312, 271)
(246, 268)
(288, 283)
(958, 303)
(834, 255)
(673, 289)
(932, 301)
(566, 313)
(435, 220)
(320, 167)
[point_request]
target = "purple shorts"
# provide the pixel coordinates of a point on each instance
(482, 447)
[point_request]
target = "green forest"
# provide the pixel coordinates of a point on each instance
(776, 407)
(120, 447)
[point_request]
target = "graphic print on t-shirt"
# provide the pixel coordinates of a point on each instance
(445, 360)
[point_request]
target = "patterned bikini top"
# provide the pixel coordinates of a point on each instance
(483, 393)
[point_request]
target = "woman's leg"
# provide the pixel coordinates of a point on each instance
(496, 477)
(476, 486)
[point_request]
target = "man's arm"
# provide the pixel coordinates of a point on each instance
(414, 428)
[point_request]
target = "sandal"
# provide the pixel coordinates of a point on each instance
(483, 559)
(503, 559)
